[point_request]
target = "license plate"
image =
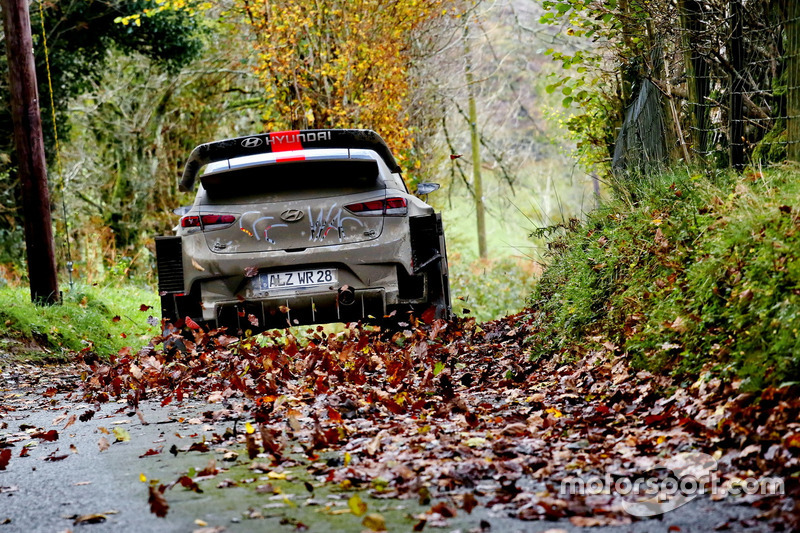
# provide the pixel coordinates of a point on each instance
(296, 278)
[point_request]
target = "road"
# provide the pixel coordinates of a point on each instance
(61, 484)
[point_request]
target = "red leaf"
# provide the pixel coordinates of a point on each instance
(334, 415)
(251, 271)
(5, 457)
(116, 319)
(166, 401)
(49, 436)
(145, 307)
(428, 315)
(151, 451)
(191, 323)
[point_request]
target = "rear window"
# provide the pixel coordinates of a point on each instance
(300, 179)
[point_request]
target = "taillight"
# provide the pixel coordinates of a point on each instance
(390, 207)
(207, 221)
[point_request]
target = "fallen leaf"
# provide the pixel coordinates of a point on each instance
(357, 506)
(95, 518)
(470, 502)
(121, 434)
(158, 505)
(375, 522)
(103, 444)
(71, 421)
(5, 457)
(48, 436)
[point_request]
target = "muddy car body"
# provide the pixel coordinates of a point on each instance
(302, 227)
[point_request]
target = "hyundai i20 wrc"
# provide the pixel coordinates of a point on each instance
(301, 227)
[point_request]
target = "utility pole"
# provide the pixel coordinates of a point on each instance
(29, 146)
(480, 208)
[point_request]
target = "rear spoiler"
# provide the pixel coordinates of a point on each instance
(283, 141)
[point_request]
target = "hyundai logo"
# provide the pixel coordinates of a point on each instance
(251, 142)
(292, 215)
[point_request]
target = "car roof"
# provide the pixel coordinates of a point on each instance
(283, 141)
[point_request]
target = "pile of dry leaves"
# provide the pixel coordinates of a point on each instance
(456, 410)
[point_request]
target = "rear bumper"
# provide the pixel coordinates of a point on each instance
(296, 310)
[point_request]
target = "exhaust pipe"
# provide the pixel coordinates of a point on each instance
(346, 295)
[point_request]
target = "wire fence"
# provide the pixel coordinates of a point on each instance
(723, 87)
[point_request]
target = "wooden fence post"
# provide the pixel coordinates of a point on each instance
(736, 115)
(792, 51)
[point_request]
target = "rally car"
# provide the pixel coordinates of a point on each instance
(301, 227)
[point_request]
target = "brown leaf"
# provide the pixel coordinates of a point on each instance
(95, 518)
(470, 502)
(443, 509)
(71, 421)
(251, 271)
(679, 325)
(158, 505)
(252, 448)
(103, 444)
(210, 469)
(188, 483)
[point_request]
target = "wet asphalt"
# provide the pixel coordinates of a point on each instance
(40, 494)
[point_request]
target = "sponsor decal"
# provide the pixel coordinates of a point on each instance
(283, 141)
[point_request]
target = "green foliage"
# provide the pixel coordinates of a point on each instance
(490, 289)
(82, 39)
(694, 274)
(105, 319)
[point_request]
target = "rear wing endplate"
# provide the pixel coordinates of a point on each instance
(283, 141)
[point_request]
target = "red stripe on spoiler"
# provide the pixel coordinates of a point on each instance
(288, 159)
(285, 141)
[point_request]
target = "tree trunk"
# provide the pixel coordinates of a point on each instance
(477, 183)
(29, 147)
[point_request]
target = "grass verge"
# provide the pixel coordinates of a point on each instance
(102, 318)
(683, 273)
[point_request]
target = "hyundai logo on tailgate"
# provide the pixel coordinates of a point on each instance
(292, 215)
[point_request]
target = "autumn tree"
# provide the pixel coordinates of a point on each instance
(335, 64)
